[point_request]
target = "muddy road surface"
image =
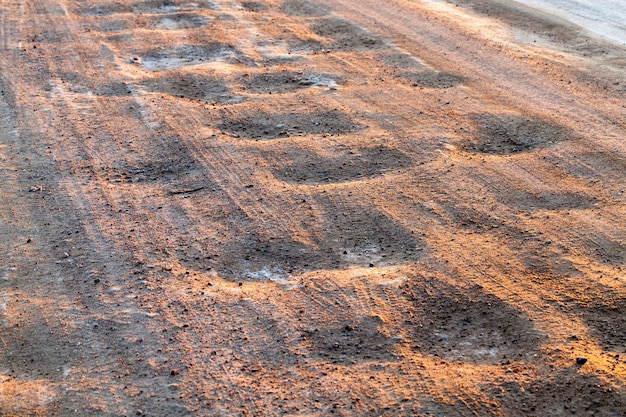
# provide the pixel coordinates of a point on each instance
(289, 208)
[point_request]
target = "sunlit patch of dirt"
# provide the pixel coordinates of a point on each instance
(20, 397)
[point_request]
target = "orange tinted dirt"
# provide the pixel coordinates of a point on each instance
(268, 208)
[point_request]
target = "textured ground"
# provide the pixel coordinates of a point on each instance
(267, 208)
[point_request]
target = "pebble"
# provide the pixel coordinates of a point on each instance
(581, 361)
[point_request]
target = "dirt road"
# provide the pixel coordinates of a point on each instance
(351, 208)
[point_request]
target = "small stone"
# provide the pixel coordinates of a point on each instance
(173, 372)
(548, 242)
(139, 412)
(96, 281)
(581, 361)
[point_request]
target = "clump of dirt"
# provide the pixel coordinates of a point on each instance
(311, 168)
(262, 125)
(505, 134)
(286, 81)
(192, 86)
(346, 35)
(433, 79)
(303, 8)
(469, 325)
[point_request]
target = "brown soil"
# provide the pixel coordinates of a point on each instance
(264, 208)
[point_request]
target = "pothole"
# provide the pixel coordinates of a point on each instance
(254, 6)
(469, 325)
(347, 35)
(189, 55)
(311, 168)
(303, 8)
(146, 7)
(194, 87)
(179, 21)
(433, 79)
(506, 134)
(263, 125)
(401, 60)
(284, 82)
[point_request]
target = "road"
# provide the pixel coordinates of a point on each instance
(245, 208)
(606, 18)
